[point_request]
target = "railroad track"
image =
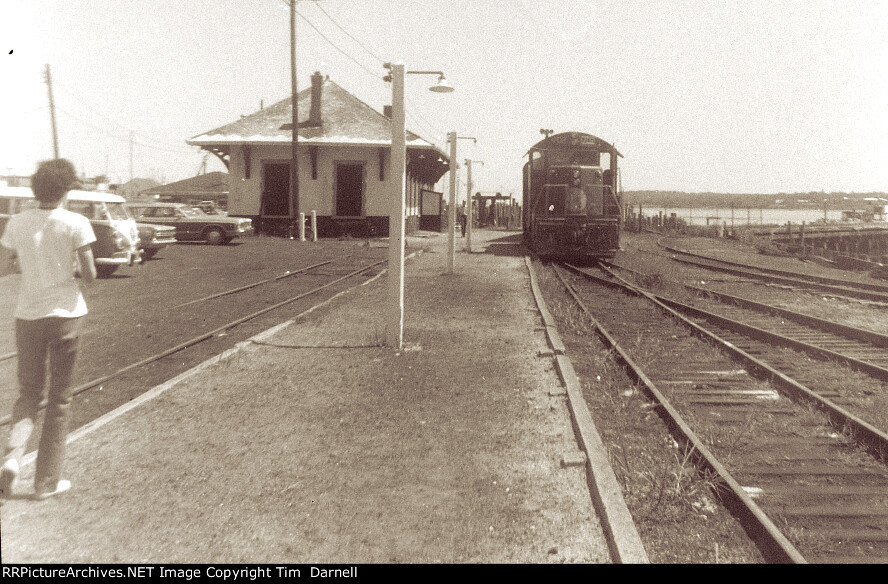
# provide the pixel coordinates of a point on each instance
(840, 288)
(805, 491)
(332, 278)
(858, 348)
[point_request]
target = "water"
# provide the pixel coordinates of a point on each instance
(714, 216)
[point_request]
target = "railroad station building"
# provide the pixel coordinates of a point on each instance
(344, 165)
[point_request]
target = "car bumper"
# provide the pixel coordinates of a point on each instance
(119, 259)
(157, 243)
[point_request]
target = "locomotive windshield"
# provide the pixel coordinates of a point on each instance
(554, 199)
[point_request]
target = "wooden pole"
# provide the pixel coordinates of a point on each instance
(294, 143)
(451, 206)
(55, 135)
(468, 211)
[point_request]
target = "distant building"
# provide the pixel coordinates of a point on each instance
(212, 186)
(132, 189)
(15, 181)
(344, 164)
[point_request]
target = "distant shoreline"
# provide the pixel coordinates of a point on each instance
(811, 200)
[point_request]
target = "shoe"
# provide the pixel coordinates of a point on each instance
(62, 486)
(8, 474)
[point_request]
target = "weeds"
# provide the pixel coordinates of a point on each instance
(732, 440)
(676, 488)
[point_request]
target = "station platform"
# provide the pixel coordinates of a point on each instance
(313, 443)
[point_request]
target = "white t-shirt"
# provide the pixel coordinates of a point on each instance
(45, 241)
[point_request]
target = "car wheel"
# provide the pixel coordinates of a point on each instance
(105, 270)
(214, 236)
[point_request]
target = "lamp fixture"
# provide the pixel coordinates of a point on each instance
(442, 86)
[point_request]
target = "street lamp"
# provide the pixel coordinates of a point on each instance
(394, 324)
(451, 211)
(469, 202)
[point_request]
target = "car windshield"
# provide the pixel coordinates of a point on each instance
(117, 211)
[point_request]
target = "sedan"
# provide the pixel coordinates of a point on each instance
(192, 224)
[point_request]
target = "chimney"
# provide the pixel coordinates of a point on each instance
(387, 111)
(314, 114)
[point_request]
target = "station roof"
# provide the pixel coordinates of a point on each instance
(346, 120)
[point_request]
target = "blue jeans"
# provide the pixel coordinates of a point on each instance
(54, 339)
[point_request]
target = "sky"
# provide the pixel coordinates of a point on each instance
(722, 96)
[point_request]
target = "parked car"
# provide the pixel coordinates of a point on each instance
(210, 208)
(117, 236)
(191, 224)
(153, 238)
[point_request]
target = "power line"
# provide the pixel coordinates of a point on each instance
(416, 114)
(321, 8)
(123, 138)
(412, 111)
(144, 135)
(311, 24)
(429, 125)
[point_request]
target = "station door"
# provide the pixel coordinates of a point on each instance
(349, 189)
(276, 190)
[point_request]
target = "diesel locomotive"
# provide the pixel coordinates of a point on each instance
(572, 202)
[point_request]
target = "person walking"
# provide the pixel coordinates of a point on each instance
(462, 218)
(46, 242)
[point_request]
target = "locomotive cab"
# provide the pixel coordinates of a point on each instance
(572, 201)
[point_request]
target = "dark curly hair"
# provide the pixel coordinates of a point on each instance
(53, 179)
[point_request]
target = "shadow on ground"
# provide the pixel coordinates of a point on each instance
(511, 244)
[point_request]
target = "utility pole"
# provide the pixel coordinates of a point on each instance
(294, 145)
(131, 156)
(451, 211)
(451, 207)
(469, 211)
(55, 135)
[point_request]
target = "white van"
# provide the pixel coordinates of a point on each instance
(117, 237)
